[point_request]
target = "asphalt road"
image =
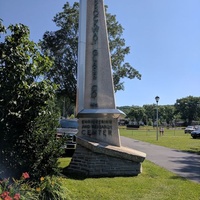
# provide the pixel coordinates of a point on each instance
(183, 164)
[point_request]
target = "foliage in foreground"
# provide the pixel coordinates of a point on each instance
(47, 188)
(28, 117)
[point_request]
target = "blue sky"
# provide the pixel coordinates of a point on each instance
(164, 37)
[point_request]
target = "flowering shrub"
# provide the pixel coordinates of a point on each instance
(16, 189)
(50, 187)
(5, 196)
(23, 189)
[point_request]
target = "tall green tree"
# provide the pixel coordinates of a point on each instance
(188, 108)
(150, 113)
(136, 113)
(169, 114)
(28, 114)
(62, 46)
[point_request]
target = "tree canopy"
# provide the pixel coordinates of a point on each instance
(62, 46)
(188, 108)
(136, 113)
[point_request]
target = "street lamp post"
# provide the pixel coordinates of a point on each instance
(157, 99)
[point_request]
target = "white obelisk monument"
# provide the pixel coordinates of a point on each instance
(95, 94)
(99, 151)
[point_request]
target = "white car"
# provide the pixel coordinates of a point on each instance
(189, 129)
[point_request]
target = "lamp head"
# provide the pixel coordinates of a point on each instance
(157, 98)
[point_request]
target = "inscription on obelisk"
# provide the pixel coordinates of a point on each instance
(96, 110)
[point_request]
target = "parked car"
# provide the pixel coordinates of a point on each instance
(197, 127)
(68, 129)
(189, 129)
(195, 134)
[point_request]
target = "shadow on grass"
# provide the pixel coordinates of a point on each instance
(71, 175)
(178, 178)
(68, 153)
(79, 176)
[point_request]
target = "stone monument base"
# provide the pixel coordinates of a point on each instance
(94, 159)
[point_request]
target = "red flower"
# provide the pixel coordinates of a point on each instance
(17, 196)
(4, 194)
(25, 175)
(8, 198)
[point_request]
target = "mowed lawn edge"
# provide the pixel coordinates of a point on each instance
(153, 183)
(172, 138)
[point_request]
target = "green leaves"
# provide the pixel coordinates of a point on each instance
(188, 108)
(28, 113)
(136, 113)
(62, 46)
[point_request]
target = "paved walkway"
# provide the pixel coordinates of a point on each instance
(184, 164)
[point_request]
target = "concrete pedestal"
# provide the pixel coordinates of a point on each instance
(94, 159)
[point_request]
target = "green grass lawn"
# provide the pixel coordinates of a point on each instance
(154, 183)
(175, 139)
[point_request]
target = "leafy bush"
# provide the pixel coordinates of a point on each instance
(29, 117)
